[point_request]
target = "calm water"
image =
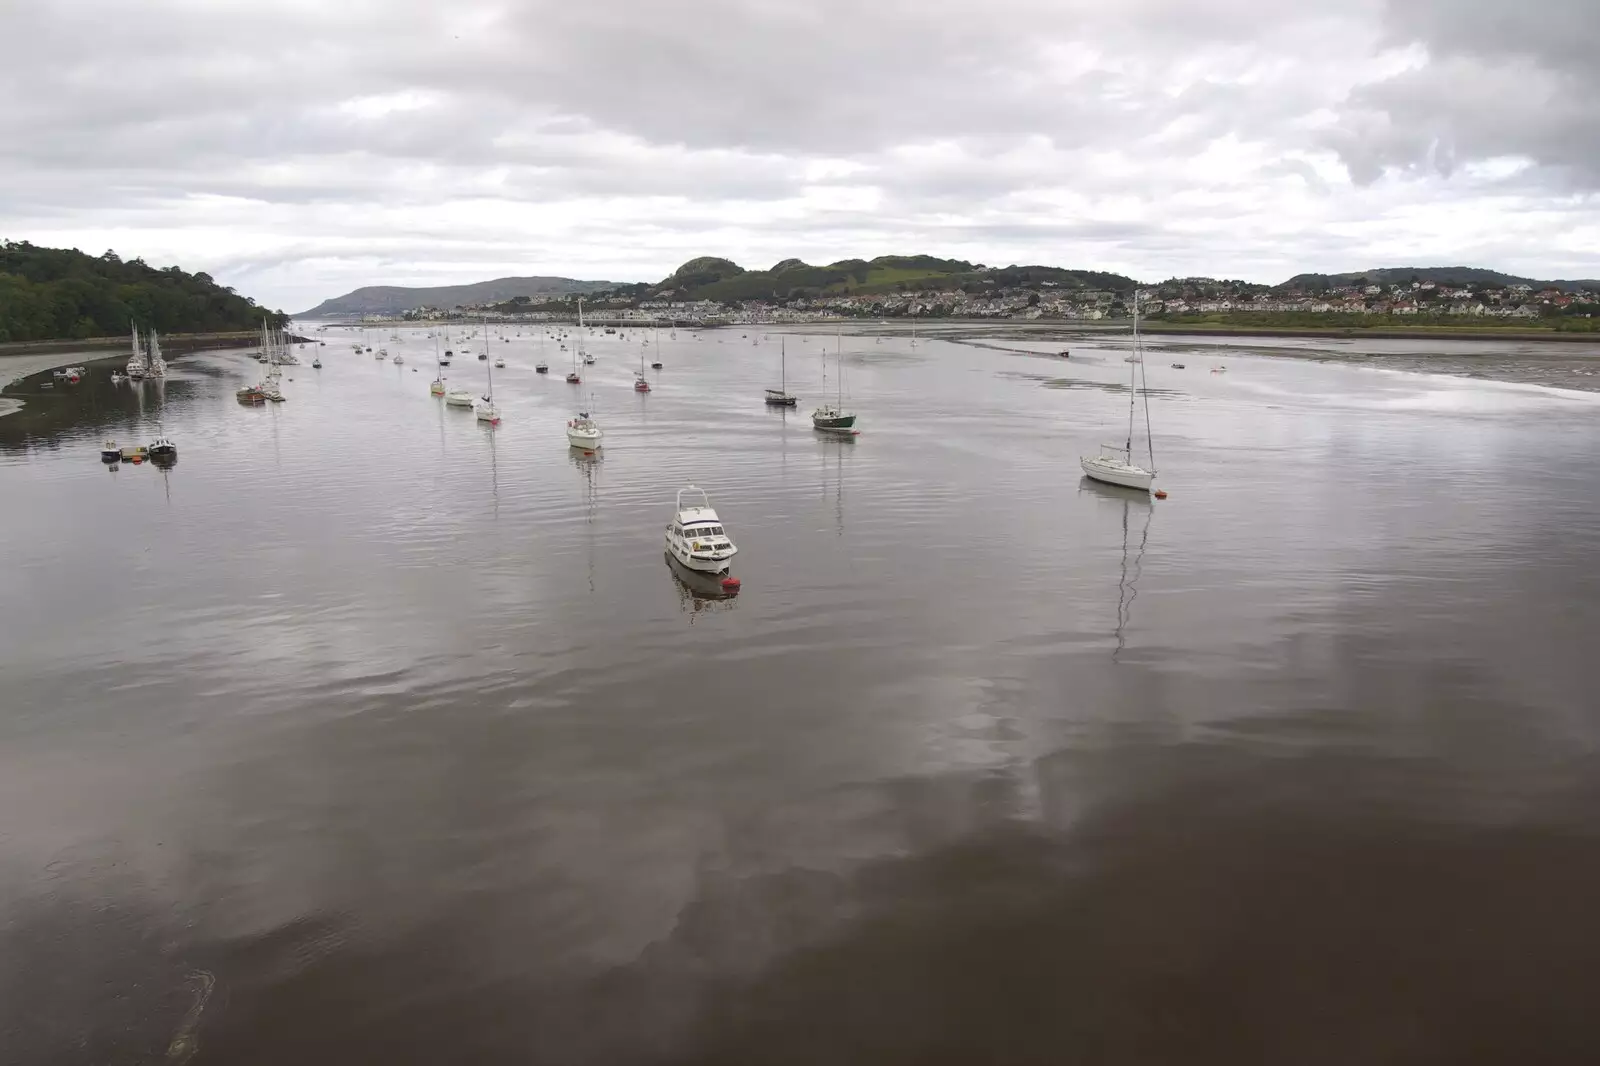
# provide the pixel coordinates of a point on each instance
(369, 734)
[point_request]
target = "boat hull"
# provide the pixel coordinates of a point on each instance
(833, 423)
(1117, 473)
(689, 561)
(587, 441)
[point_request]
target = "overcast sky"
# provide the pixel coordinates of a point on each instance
(297, 149)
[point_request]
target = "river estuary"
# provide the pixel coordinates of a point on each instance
(369, 734)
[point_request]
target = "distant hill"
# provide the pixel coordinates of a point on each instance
(392, 299)
(710, 278)
(63, 294)
(1457, 275)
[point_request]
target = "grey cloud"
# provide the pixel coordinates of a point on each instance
(1497, 81)
(289, 145)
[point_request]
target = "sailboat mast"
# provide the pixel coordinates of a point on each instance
(838, 353)
(783, 365)
(1133, 374)
(488, 364)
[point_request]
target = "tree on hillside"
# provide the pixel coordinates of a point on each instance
(52, 293)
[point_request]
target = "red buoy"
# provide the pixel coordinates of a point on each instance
(730, 584)
(1160, 494)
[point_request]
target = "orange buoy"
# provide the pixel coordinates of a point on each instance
(1160, 494)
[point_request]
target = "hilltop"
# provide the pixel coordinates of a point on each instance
(62, 294)
(724, 281)
(392, 299)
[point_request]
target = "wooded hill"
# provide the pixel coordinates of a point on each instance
(63, 294)
(710, 278)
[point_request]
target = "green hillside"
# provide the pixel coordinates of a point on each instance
(63, 294)
(721, 279)
(1459, 276)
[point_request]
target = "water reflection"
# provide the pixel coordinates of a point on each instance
(838, 485)
(699, 592)
(1131, 567)
(588, 465)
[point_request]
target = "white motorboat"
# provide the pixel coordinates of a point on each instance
(459, 398)
(110, 452)
(583, 432)
(380, 354)
(500, 364)
(1114, 465)
(695, 537)
(316, 364)
(163, 448)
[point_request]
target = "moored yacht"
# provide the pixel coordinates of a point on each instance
(1114, 465)
(695, 537)
(458, 397)
(136, 362)
(583, 432)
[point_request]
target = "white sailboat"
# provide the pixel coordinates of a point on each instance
(780, 396)
(156, 366)
(136, 363)
(584, 432)
(484, 407)
(583, 352)
(1114, 465)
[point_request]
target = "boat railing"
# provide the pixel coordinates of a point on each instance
(705, 499)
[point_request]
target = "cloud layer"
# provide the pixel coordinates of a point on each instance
(297, 150)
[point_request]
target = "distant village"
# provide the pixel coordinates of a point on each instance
(1176, 299)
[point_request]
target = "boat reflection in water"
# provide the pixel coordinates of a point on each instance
(1133, 547)
(699, 592)
(588, 466)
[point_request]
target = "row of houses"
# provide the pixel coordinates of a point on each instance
(1047, 301)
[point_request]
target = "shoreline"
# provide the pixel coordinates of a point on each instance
(1382, 333)
(176, 342)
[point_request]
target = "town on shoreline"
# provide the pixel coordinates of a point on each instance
(1200, 305)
